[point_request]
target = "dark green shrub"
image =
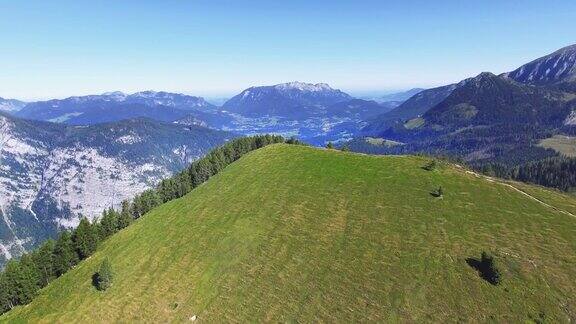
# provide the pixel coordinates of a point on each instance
(431, 166)
(102, 279)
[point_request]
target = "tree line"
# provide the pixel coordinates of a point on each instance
(23, 278)
(557, 172)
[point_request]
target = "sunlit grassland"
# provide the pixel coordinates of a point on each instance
(291, 233)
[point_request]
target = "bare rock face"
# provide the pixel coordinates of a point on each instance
(51, 174)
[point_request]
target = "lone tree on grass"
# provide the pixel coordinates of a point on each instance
(330, 146)
(430, 166)
(440, 192)
(437, 193)
(102, 279)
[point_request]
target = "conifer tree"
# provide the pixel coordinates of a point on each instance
(65, 256)
(44, 261)
(5, 293)
(430, 166)
(203, 171)
(85, 239)
(21, 281)
(125, 217)
(103, 278)
(109, 223)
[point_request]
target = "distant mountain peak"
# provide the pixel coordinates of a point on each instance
(292, 99)
(481, 79)
(484, 75)
(303, 86)
(114, 94)
(148, 94)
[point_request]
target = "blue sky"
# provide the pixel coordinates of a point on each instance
(217, 48)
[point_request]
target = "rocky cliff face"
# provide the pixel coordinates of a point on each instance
(52, 174)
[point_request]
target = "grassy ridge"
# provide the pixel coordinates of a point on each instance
(291, 233)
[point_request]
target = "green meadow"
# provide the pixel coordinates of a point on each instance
(298, 234)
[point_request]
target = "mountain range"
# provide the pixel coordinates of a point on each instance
(259, 230)
(313, 112)
(488, 118)
(114, 106)
(410, 108)
(50, 173)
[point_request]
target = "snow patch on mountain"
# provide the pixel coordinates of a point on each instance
(129, 139)
(302, 86)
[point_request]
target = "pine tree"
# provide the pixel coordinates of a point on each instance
(430, 166)
(29, 282)
(108, 224)
(330, 146)
(85, 239)
(5, 294)
(203, 171)
(65, 256)
(44, 261)
(125, 217)
(21, 281)
(103, 278)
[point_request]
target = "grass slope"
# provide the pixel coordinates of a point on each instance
(292, 233)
